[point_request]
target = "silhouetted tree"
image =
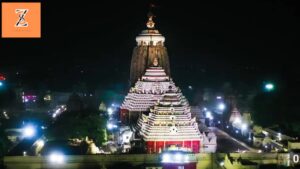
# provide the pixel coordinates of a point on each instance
(78, 124)
(74, 103)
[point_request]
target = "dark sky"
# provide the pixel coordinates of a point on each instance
(208, 42)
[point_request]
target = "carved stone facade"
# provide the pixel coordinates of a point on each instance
(150, 46)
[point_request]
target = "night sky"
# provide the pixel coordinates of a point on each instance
(209, 43)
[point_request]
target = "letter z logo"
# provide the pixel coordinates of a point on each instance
(21, 22)
(20, 19)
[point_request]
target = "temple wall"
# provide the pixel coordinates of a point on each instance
(132, 161)
(158, 146)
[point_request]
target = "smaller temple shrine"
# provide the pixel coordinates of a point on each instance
(169, 124)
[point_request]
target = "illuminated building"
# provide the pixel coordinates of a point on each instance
(150, 46)
(155, 107)
(146, 91)
(235, 116)
(169, 123)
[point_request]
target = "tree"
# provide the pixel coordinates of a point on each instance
(4, 142)
(74, 103)
(78, 124)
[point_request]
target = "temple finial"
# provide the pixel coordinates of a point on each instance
(150, 23)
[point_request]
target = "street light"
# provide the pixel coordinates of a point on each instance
(176, 157)
(209, 115)
(111, 126)
(221, 106)
(56, 158)
(29, 131)
(244, 127)
(269, 87)
(110, 111)
(279, 136)
(237, 120)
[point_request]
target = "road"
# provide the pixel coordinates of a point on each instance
(227, 144)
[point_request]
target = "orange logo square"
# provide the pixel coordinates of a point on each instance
(21, 19)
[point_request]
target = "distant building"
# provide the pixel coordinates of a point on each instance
(235, 115)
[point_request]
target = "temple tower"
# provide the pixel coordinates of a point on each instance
(150, 47)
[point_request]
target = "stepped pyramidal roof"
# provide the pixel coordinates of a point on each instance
(147, 90)
(169, 119)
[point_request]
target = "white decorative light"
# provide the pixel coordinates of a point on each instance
(110, 126)
(166, 158)
(186, 158)
(269, 86)
(178, 157)
(221, 106)
(57, 158)
(110, 111)
(244, 127)
(237, 120)
(29, 131)
(209, 115)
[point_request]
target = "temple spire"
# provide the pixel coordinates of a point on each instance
(150, 45)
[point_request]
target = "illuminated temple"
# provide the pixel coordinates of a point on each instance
(145, 93)
(149, 73)
(155, 108)
(150, 45)
(169, 123)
